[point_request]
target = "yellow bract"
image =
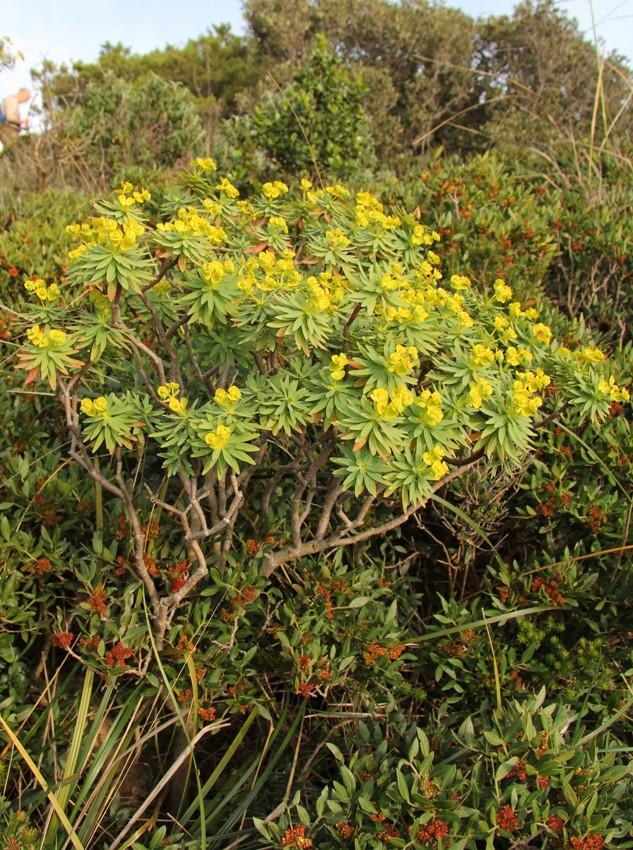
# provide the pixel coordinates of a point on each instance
(274, 190)
(402, 360)
(98, 407)
(389, 408)
(479, 390)
(439, 468)
(338, 362)
(227, 398)
(612, 390)
(218, 439)
(542, 332)
(503, 292)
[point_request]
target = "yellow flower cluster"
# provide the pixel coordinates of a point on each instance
(336, 239)
(274, 190)
(460, 282)
(393, 279)
(105, 230)
(524, 390)
(227, 398)
(218, 439)
(389, 408)
(128, 197)
(98, 407)
(279, 273)
(43, 292)
(205, 164)
(431, 403)
(337, 191)
(503, 292)
(338, 362)
(439, 467)
(479, 390)
(542, 332)
(169, 394)
(612, 390)
(277, 224)
(225, 187)
(515, 311)
(53, 339)
(402, 360)
(518, 356)
(592, 355)
(319, 294)
(216, 270)
(504, 329)
(482, 355)
(369, 210)
(190, 223)
(534, 381)
(423, 236)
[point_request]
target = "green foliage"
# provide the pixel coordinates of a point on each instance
(522, 773)
(214, 68)
(104, 125)
(315, 126)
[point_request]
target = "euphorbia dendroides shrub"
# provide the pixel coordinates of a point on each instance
(293, 366)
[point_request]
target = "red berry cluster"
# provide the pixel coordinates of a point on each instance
(432, 832)
(63, 639)
(374, 651)
(344, 829)
(596, 518)
(296, 837)
(507, 819)
(589, 842)
(550, 587)
(118, 655)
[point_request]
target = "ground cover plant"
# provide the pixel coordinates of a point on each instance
(316, 495)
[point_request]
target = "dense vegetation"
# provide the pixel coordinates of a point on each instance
(316, 439)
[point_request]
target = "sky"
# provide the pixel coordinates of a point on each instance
(68, 30)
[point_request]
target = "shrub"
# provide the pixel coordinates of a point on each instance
(296, 369)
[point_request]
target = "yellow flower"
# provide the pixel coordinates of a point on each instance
(612, 390)
(503, 292)
(274, 190)
(592, 355)
(431, 402)
(336, 239)
(402, 359)
(460, 282)
(57, 337)
(169, 390)
(218, 439)
(306, 184)
(37, 336)
(177, 405)
(338, 362)
(205, 164)
(542, 332)
(479, 390)
(126, 202)
(482, 355)
(390, 408)
(227, 188)
(276, 222)
(439, 468)
(87, 407)
(227, 398)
